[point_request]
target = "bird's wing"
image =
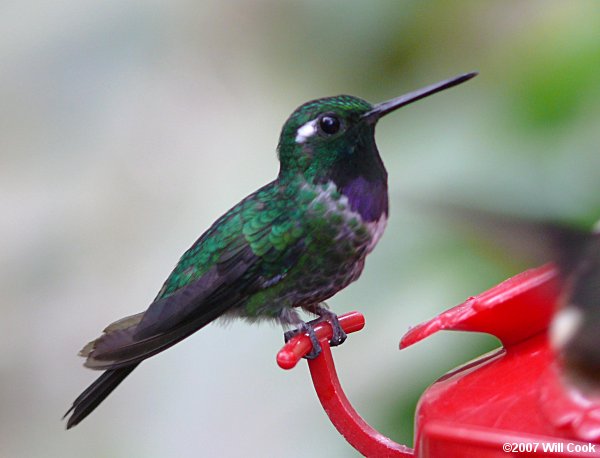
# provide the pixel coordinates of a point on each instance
(250, 248)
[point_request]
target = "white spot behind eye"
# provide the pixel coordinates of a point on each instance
(306, 131)
(564, 326)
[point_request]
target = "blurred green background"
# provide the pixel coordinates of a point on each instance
(128, 127)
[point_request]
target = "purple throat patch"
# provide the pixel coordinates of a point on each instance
(369, 199)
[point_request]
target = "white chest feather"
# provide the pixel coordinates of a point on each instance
(341, 205)
(376, 228)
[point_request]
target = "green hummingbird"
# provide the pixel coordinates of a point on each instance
(290, 245)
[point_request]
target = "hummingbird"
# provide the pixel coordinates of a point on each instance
(574, 328)
(290, 245)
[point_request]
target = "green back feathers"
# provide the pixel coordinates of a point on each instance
(265, 222)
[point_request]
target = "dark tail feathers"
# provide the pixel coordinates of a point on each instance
(87, 401)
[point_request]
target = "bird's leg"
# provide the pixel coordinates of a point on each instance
(292, 317)
(306, 328)
(339, 335)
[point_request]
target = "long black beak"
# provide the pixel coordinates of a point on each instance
(384, 108)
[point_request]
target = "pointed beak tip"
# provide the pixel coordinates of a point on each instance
(468, 76)
(384, 108)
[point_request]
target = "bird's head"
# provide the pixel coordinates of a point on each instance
(335, 135)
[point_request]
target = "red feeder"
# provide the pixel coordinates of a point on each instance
(510, 402)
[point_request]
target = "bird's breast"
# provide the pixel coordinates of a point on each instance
(376, 228)
(336, 220)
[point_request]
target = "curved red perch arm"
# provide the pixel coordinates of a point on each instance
(348, 422)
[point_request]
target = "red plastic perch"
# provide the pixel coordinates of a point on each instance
(348, 422)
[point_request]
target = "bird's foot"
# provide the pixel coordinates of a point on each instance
(306, 328)
(339, 335)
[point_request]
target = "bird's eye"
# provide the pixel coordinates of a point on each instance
(329, 124)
